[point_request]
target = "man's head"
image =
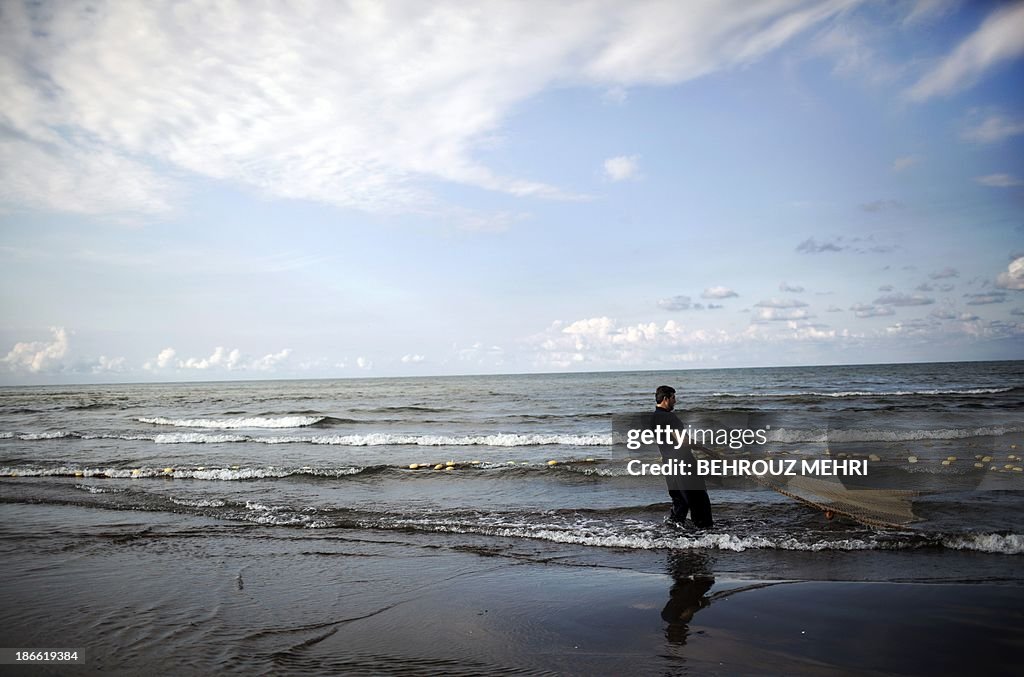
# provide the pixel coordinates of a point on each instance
(665, 397)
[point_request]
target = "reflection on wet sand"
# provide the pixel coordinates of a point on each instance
(692, 579)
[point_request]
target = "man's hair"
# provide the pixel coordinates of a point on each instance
(663, 393)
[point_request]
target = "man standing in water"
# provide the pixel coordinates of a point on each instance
(689, 493)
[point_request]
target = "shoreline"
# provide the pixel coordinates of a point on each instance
(190, 595)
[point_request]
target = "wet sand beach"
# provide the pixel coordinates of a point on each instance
(150, 592)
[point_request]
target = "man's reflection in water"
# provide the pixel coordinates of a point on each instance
(692, 578)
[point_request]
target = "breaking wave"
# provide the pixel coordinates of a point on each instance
(231, 423)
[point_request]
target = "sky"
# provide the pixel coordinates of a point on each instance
(241, 190)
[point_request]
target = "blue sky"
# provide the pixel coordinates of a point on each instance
(197, 191)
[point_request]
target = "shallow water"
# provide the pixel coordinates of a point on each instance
(335, 456)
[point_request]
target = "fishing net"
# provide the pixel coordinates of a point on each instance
(891, 508)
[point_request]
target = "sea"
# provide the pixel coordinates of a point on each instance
(526, 463)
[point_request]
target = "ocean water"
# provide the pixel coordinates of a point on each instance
(332, 456)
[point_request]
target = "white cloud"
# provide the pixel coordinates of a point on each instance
(994, 128)
(780, 303)
(999, 181)
(82, 179)
(776, 314)
(359, 105)
(364, 363)
(901, 299)
(115, 365)
(39, 356)
(271, 361)
(865, 310)
(910, 328)
(603, 341)
(221, 359)
(718, 293)
(1013, 278)
(622, 168)
(787, 287)
(412, 359)
(161, 361)
(996, 40)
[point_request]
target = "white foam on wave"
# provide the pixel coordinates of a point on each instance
(870, 393)
(233, 474)
(367, 440)
(211, 474)
(252, 505)
(280, 515)
(1010, 544)
(230, 474)
(63, 471)
(789, 436)
(712, 541)
(31, 437)
(230, 423)
(496, 440)
(98, 490)
(197, 438)
(6, 436)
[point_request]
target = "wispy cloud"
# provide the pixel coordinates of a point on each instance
(995, 41)
(924, 11)
(865, 310)
(985, 298)
(359, 105)
(675, 303)
(856, 245)
(999, 181)
(944, 273)
(780, 303)
(993, 128)
(943, 314)
(900, 299)
(881, 206)
(906, 162)
(812, 246)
